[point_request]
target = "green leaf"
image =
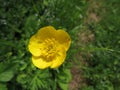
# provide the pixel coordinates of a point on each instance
(63, 86)
(32, 23)
(21, 78)
(40, 80)
(3, 86)
(2, 67)
(117, 88)
(6, 76)
(65, 76)
(6, 72)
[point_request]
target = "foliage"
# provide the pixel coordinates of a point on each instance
(19, 20)
(103, 71)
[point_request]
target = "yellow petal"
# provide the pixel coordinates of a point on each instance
(34, 46)
(60, 58)
(46, 32)
(40, 62)
(63, 38)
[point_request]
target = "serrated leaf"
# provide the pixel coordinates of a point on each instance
(21, 78)
(40, 80)
(65, 76)
(63, 86)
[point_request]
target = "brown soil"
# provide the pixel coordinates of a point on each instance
(78, 80)
(84, 38)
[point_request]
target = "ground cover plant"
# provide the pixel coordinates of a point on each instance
(103, 71)
(92, 61)
(19, 20)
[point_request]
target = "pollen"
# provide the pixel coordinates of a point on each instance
(49, 49)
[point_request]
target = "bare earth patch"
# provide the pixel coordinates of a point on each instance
(85, 37)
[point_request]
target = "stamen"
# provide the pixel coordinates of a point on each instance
(49, 49)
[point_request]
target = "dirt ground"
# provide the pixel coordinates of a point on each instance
(84, 38)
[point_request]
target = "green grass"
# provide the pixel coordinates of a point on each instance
(103, 72)
(19, 20)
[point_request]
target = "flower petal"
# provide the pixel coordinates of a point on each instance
(38, 46)
(46, 32)
(40, 62)
(63, 38)
(34, 46)
(60, 58)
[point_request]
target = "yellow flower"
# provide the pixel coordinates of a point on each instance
(48, 47)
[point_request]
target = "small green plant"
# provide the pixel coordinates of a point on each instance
(102, 72)
(19, 20)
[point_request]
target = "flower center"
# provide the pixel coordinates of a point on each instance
(49, 49)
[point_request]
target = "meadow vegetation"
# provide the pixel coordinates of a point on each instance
(93, 60)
